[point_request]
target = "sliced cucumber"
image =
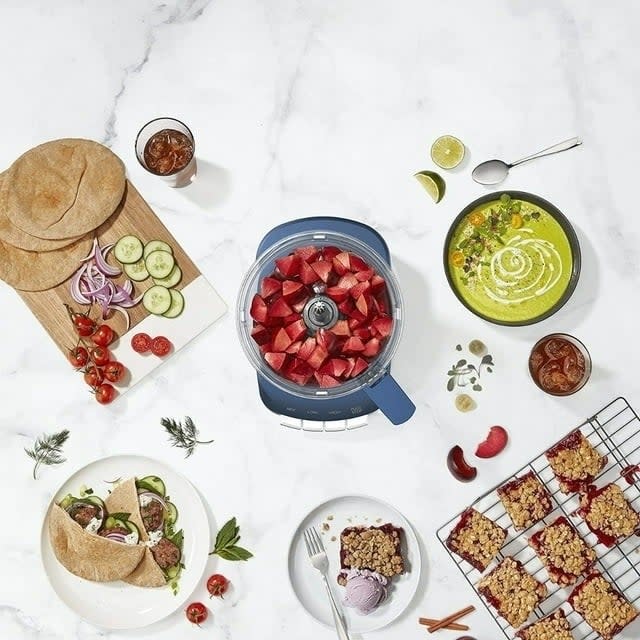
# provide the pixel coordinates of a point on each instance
(177, 305)
(133, 529)
(94, 500)
(159, 264)
(173, 572)
(156, 484)
(136, 271)
(172, 513)
(172, 279)
(67, 501)
(157, 300)
(156, 245)
(128, 250)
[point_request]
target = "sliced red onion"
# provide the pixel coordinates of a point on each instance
(91, 284)
(116, 536)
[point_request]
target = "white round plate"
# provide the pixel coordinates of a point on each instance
(349, 511)
(117, 605)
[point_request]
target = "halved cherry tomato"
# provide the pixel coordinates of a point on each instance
(141, 342)
(114, 371)
(217, 585)
(100, 356)
(160, 346)
(93, 376)
(476, 218)
(457, 258)
(103, 336)
(105, 393)
(196, 613)
(78, 357)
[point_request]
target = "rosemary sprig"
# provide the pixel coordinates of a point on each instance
(184, 436)
(226, 543)
(47, 450)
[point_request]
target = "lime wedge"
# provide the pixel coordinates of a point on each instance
(447, 152)
(433, 184)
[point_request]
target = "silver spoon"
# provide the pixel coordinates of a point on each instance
(495, 171)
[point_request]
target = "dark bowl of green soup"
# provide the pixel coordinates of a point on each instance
(512, 258)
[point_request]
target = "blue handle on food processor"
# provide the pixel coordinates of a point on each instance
(389, 397)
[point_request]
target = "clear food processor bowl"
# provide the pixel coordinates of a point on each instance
(320, 312)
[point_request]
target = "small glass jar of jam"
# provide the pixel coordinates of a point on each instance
(560, 364)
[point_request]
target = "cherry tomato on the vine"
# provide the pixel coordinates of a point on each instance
(78, 357)
(196, 613)
(100, 356)
(217, 585)
(114, 371)
(105, 393)
(103, 336)
(93, 376)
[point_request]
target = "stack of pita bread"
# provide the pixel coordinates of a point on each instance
(52, 199)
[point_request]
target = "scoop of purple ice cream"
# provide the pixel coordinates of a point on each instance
(365, 590)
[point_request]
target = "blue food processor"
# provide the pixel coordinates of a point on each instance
(373, 389)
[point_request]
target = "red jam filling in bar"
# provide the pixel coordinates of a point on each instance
(564, 554)
(512, 591)
(525, 500)
(476, 539)
(575, 462)
(602, 606)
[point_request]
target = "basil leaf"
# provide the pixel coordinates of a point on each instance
(235, 554)
(228, 532)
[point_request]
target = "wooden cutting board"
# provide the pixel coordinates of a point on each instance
(202, 304)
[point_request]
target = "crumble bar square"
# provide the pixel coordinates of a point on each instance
(603, 607)
(608, 514)
(575, 462)
(476, 539)
(512, 591)
(525, 500)
(564, 554)
(552, 627)
(373, 548)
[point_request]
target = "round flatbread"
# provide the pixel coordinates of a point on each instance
(64, 188)
(33, 271)
(124, 499)
(18, 238)
(87, 555)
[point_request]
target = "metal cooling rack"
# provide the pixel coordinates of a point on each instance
(615, 432)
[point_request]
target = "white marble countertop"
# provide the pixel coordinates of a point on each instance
(307, 108)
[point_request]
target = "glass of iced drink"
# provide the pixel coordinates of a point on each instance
(165, 147)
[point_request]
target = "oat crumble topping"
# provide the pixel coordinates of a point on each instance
(608, 511)
(553, 627)
(574, 460)
(512, 591)
(476, 539)
(602, 606)
(525, 500)
(565, 555)
(373, 548)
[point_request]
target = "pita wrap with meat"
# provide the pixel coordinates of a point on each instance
(63, 188)
(10, 234)
(124, 498)
(87, 555)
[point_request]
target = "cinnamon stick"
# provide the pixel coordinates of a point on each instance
(452, 618)
(452, 626)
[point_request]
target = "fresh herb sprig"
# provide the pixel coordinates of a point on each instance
(183, 436)
(226, 543)
(47, 450)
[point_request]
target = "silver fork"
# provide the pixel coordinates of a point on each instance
(319, 560)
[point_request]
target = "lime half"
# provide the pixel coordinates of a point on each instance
(447, 152)
(433, 184)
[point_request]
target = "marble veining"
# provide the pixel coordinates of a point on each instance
(312, 108)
